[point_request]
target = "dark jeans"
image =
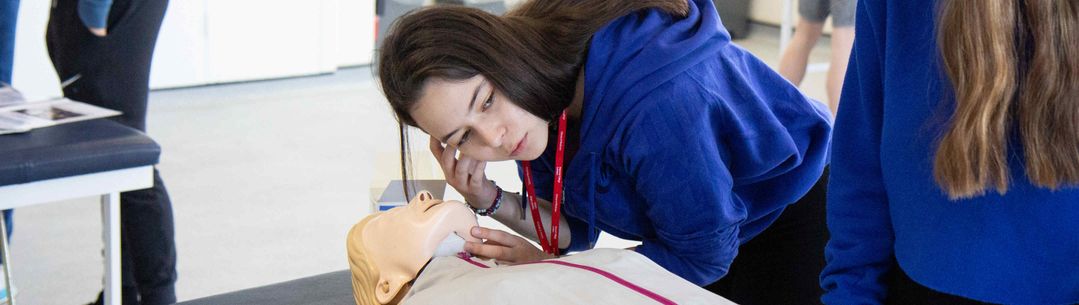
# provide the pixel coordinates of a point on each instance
(782, 265)
(114, 72)
(904, 291)
(9, 12)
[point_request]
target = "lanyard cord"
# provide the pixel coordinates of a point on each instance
(556, 194)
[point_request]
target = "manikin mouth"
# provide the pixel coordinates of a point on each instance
(431, 206)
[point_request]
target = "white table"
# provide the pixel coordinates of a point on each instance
(108, 185)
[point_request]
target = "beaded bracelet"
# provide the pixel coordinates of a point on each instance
(494, 206)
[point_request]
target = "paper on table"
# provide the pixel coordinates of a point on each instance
(27, 116)
(9, 96)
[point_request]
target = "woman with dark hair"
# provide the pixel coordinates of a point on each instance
(957, 159)
(674, 137)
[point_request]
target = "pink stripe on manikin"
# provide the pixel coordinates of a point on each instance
(616, 279)
(608, 275)
(468, 258)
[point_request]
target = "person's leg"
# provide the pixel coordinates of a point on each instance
(9, 13)
(782, 265)
(76, 52)
(148, 226)
(795, 58)
(146, 214)
(114, 73)
(842, 42)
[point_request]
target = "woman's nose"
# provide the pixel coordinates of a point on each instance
(491, 133)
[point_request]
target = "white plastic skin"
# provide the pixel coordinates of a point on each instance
(450, 246)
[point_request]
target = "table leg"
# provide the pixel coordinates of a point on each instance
(5, 253)
(110, 209)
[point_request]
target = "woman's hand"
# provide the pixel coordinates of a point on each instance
(99, 32)
(503, 247)
(466, 175)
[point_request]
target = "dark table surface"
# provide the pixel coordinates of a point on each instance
(328, 288)
(73, 149)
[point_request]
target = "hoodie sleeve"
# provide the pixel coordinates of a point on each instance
(860, 250)
(94, 13)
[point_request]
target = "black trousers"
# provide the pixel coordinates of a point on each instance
(114, 72)
(782, 265)
(904, 291)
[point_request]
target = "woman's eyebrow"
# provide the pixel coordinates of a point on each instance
(472, 103)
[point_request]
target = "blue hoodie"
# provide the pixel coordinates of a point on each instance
(884, 206)
(689, 144)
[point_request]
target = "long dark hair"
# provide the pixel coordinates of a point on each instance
(1009, 62)
(532, 55)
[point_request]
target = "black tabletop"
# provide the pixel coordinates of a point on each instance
(73, 149)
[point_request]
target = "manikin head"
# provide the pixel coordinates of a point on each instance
(386, 250)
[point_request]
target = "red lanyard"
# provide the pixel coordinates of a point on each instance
(556, 194)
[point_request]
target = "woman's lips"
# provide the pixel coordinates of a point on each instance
(520, 146)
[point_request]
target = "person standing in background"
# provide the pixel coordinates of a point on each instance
(795, 59)
(102, 50)
(955, 173)
(9, 13)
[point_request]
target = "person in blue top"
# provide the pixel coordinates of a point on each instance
(956, 157)
(676, 137)
(101, 51)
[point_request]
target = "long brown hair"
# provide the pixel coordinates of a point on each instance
(1011, 64)
(532, 55)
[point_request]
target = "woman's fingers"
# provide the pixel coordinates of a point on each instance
(440, 153)
(462, 170)
(466, 175)
(436, 147)
(477, 176)
(503, 247)
(497, 236)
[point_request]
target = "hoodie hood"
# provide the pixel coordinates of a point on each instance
(638, 52)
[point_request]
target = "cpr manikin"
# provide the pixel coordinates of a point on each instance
(386, 250)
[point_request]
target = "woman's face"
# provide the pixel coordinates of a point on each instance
(472, 116)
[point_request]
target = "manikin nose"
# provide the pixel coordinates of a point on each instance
(426, 200)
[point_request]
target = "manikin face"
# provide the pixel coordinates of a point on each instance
(474, 117)
(401, 241)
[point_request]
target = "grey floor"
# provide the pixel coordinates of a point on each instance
(265, 178)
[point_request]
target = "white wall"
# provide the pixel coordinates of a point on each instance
(207, 42)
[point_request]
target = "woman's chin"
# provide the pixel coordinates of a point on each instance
(529, 156)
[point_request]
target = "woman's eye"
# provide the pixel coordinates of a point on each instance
(490, 100)
(464, 138)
